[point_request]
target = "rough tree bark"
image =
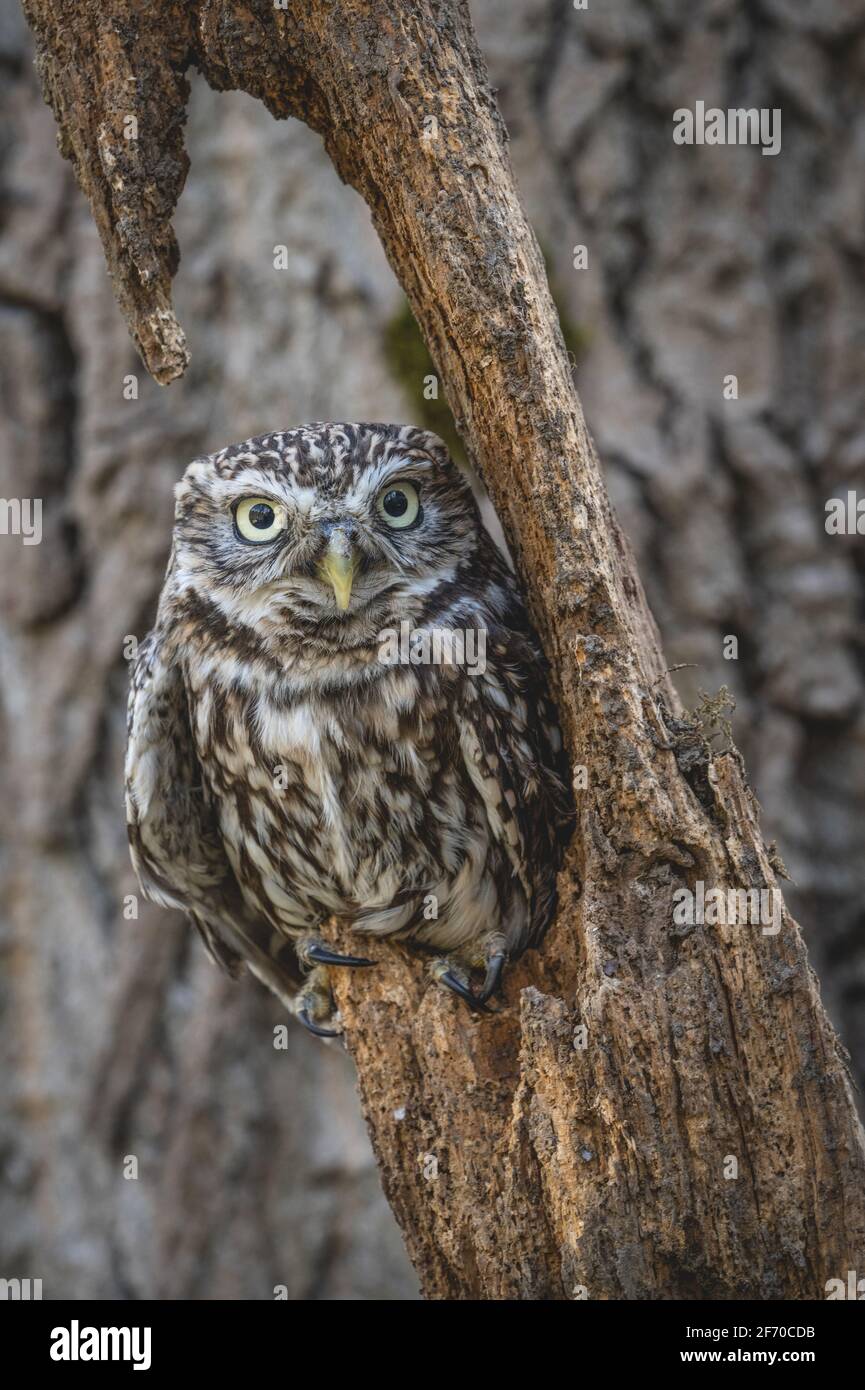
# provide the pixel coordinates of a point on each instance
(556, 1167)
(706, 260)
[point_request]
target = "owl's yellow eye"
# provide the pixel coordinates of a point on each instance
(398, 504)
(258, 520)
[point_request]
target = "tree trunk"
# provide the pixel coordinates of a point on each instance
(660, 1110)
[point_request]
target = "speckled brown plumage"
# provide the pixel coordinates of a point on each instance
(280, 770)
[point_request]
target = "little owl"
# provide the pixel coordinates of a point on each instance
(289, 762)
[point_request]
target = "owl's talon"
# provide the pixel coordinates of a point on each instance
(317, 1028)
(451, 982)
(493, 977)
(315, 1002)
(323, 956)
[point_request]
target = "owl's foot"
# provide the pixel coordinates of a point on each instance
(311, 951)
(451, 973)
(496, 962)
(313, 1004)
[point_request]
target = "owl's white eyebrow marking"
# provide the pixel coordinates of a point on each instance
(282, 490)
(304, 498)
(398, 466)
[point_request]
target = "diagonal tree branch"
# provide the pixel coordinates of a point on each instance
(661, 1110)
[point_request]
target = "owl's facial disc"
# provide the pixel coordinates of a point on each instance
(334, 532)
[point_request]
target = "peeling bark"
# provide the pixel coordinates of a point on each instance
(519, 1165)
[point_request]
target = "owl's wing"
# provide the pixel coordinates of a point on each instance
(512, 749)
(174, 839)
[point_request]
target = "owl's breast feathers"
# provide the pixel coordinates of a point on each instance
(430, 800)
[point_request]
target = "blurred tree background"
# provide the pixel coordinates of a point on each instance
(123, 1050)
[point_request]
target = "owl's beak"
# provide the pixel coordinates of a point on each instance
(338, 565)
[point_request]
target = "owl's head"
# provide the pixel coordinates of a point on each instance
(335, 527)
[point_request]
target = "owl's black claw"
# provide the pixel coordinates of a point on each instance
(492, 980)
(315, 1001)
(316, 1028)
(450, 980)
(322, 956)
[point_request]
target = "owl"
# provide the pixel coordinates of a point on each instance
(342, 711)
